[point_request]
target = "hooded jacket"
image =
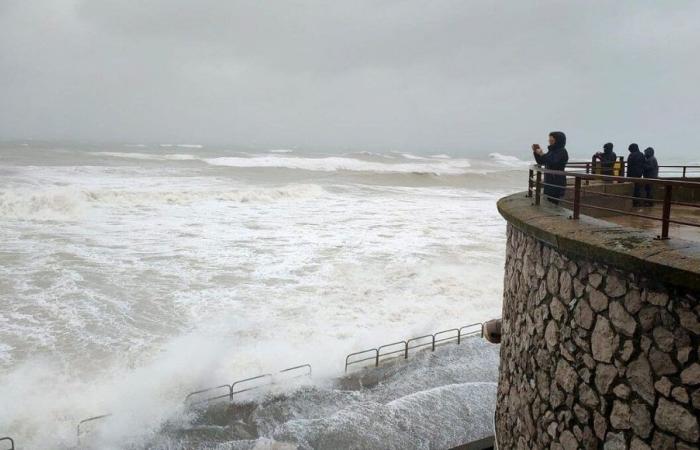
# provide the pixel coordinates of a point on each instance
(635, 162)
(607, 159)
(555, 159)
(651, 166)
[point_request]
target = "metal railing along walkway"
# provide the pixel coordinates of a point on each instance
(247, 384)
(399, 348)
(403, 348)
(536, 186)
(7, 441)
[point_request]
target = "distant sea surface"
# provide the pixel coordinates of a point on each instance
(132, 274)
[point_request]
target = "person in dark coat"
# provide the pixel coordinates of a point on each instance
(635, 169)
(607, 159)
(555, 159)
(651, 170)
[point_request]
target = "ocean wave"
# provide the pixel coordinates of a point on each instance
(51, 204)
(62, 203)
(190, 145)
(148, 156)
(335, 164)
(507, 160)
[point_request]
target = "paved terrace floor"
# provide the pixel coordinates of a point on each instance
(682, 213)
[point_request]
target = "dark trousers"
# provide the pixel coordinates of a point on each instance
(637, 201)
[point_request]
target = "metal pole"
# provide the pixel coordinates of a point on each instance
(684, 167)
(666, 215)
(622, 166)
(538, 187)
(529, 183)
(577, 197)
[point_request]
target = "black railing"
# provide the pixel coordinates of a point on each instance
(79, 431)
(9, 441)
(405, 345)
(247, 384)
(536, 186)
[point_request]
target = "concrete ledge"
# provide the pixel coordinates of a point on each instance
(674, 261)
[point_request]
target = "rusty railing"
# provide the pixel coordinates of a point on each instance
(536, 187)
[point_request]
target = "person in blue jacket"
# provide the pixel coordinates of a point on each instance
(651, 170)
(555, 159)
(635, 169)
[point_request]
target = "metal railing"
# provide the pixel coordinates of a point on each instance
(245, 384)
(536, 186)
(456, 335)
(445, 336)
(619, 168)
(9, 441)
(79, 431)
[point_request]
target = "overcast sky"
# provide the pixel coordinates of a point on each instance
(447, 75)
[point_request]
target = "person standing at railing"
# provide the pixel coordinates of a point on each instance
(651, 170)
(607, 159)
(635, 169)
(555, 159)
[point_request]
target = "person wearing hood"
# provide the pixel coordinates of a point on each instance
(635, 169)
(555, 159)
(651, 170)
(607, 159)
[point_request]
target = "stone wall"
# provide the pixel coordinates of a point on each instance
(593, 357)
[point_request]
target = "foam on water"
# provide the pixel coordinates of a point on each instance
(333, 164)
(126, 286)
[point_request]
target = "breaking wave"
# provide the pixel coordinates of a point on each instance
(336, 163)
(64, 203)
(148, 156)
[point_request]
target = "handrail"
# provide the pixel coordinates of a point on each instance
(418, 338)
(202, 391)
(667, 184)
(393, 344)
(407, 344)
(10, 440)
(231, 392)
(265, 375)
(309, 373)
(435, 340)
(89, 419)
(360, 360)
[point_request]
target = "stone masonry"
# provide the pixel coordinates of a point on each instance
(593, 357)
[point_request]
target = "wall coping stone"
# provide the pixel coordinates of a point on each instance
(675, 261)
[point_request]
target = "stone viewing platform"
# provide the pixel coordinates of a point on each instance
(600, 337)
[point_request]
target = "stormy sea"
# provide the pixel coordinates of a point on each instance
(132, 274)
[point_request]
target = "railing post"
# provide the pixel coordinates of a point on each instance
(459, 336)
(577, 198)
(433, 343)
(622, 166)
(376, 361)
(538, 187)
(405, 353)
(529, 183)
(684, 167)
(666, 214)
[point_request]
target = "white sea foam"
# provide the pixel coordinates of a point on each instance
(190, 145)
(507, 160)
(333, 164)
(147, 156)
(155, 279)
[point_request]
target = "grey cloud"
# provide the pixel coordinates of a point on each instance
(404, 74)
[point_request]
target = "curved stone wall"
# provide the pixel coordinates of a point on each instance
(593, 356)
